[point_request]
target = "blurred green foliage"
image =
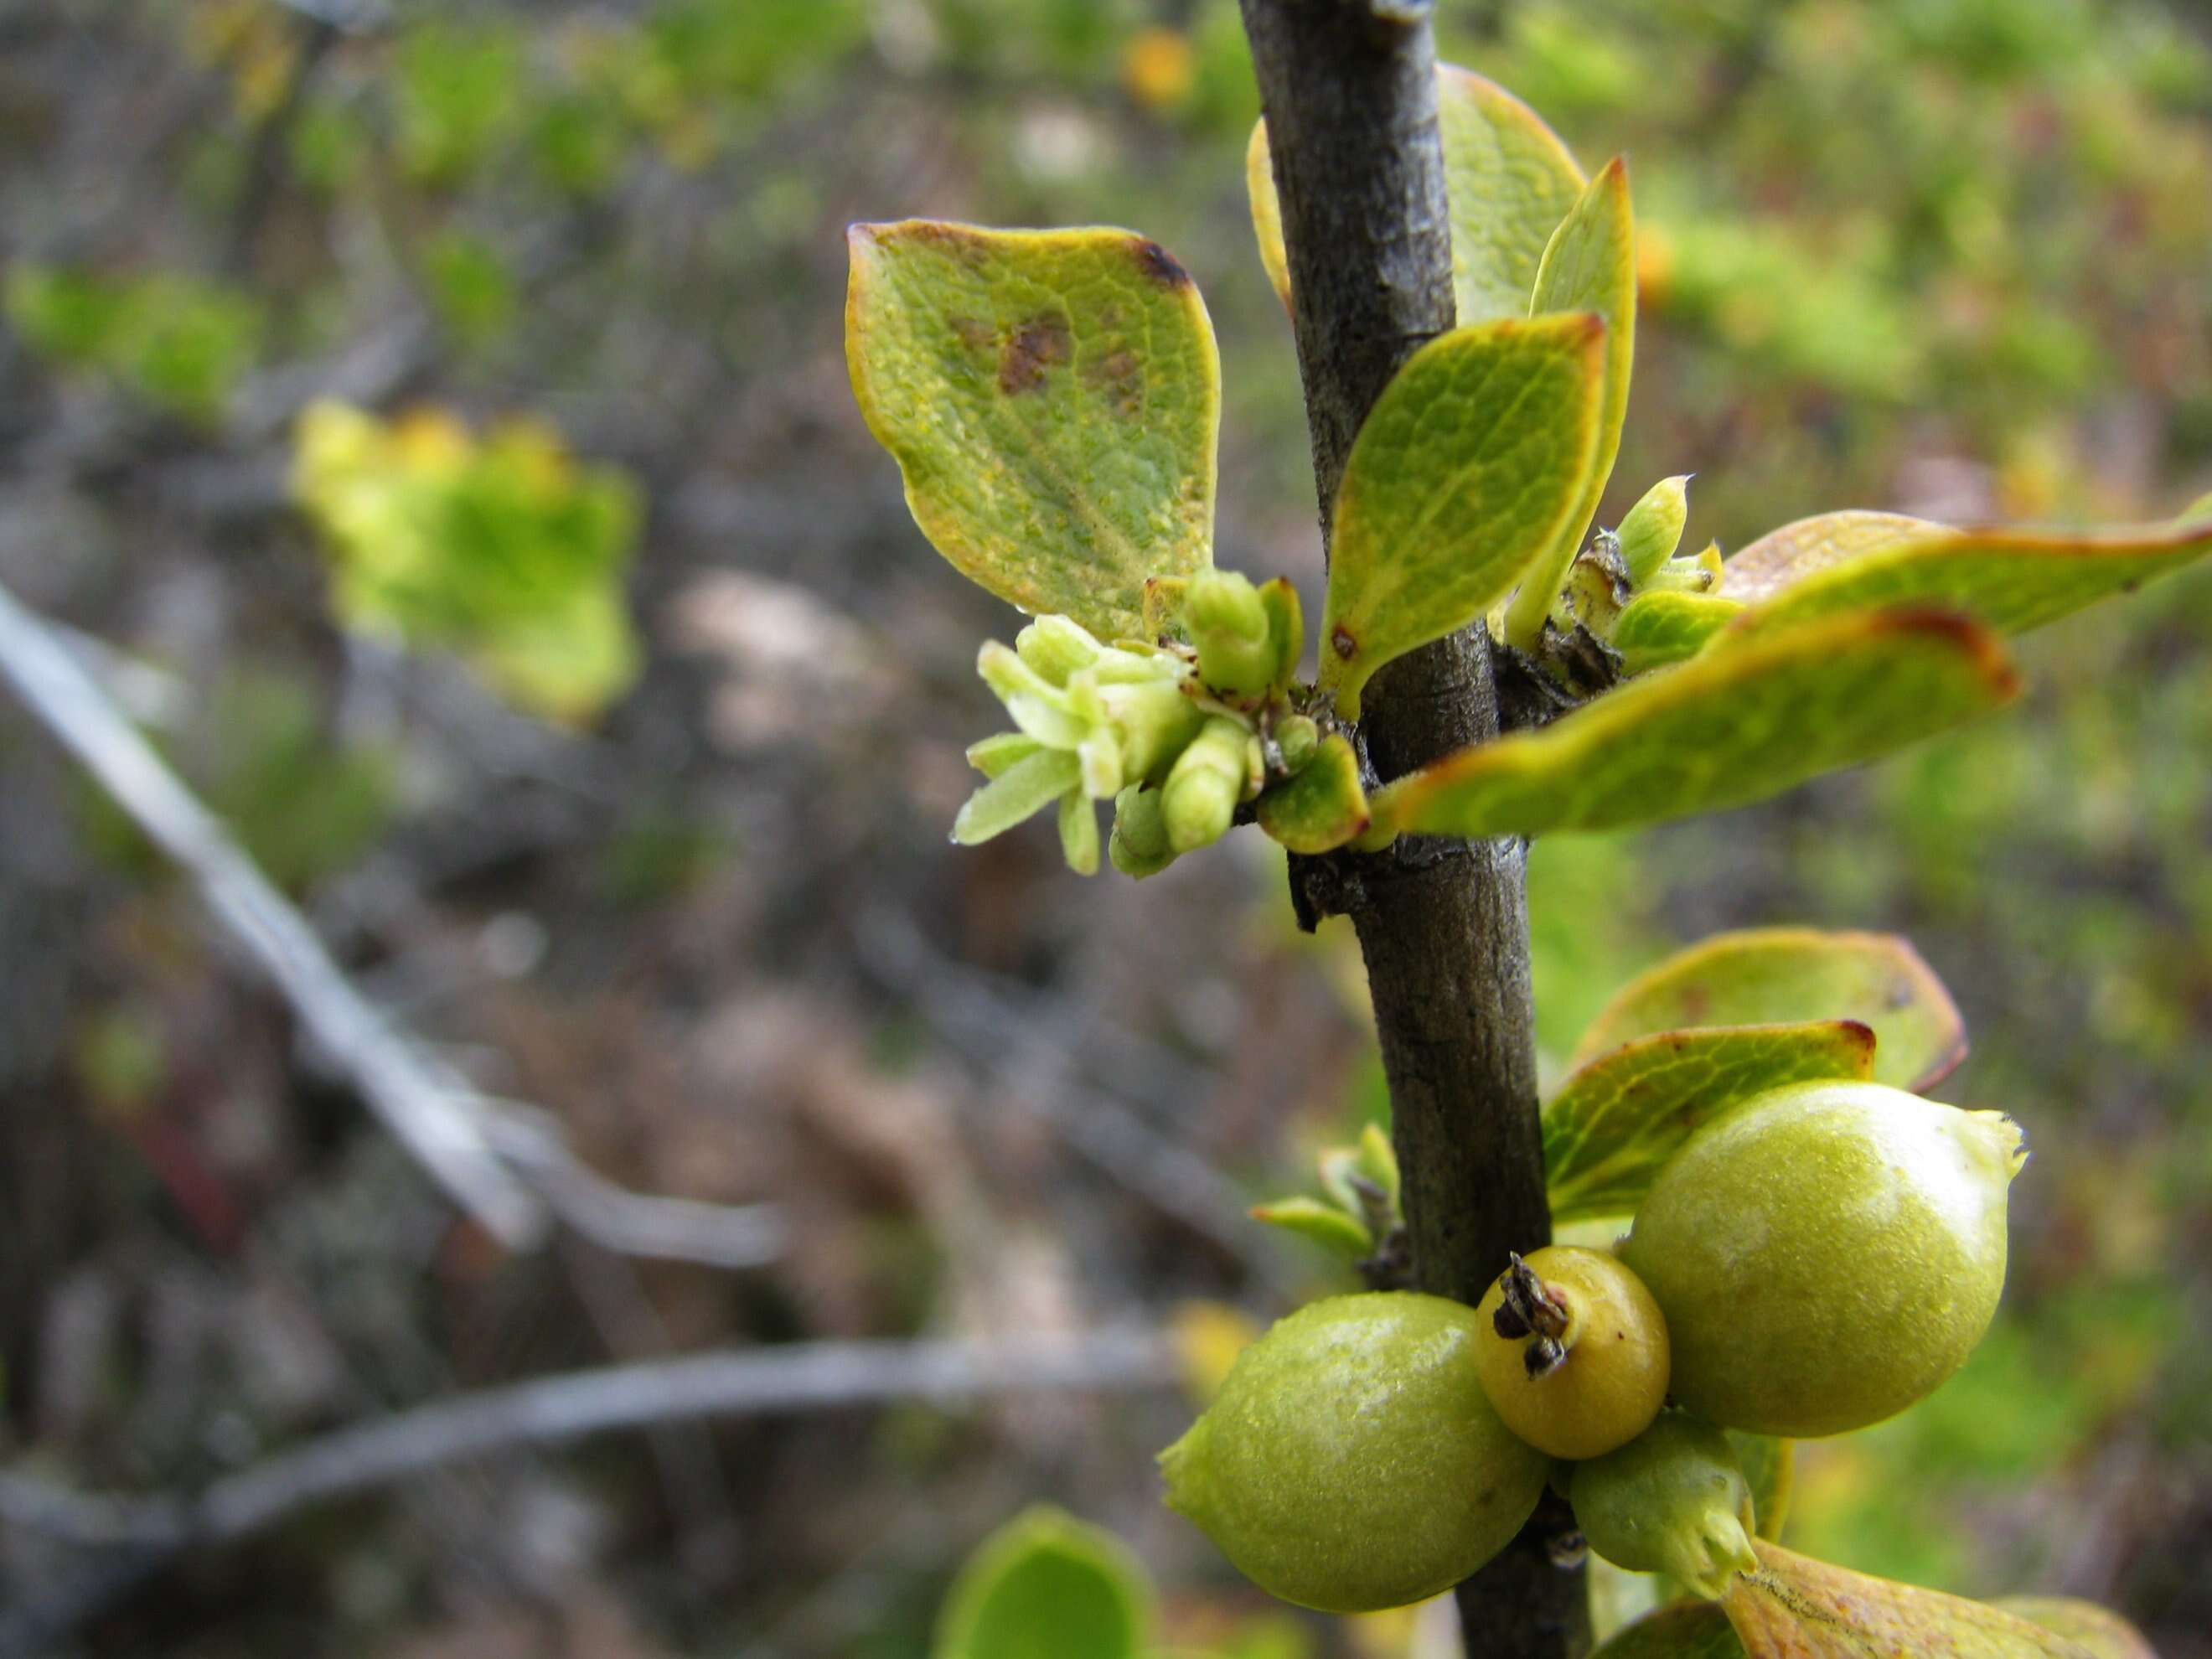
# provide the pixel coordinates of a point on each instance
(178, 341)
(503, 549)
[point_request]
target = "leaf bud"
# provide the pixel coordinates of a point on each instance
(1653, 528)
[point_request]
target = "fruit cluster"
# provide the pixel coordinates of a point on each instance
(1810, 1261)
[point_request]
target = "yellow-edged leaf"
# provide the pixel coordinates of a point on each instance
(1619, 1118)
(1766, 976)
(1467, 467)
(1730, 727)
(2009, 579)
(1589, 265)
(1508, 178)
(1053, 399)
(1795, 1607)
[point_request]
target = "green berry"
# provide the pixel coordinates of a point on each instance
(1350, 1462)
(1826, 1254)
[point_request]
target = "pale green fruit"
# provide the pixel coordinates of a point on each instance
(1826, 1254)
(1671, 1500)
(1350, 1462)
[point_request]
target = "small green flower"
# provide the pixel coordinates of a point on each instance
(1092, 720)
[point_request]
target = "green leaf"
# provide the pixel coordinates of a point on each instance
(1022, 790)
(1053, 399)
(1770, 1465)
(1322, 807)
(1590, 265)
(1046, 1586)
(1465, 470)
(1766, 976)
(1508, 180)
(1664, 626)
(2009, 579)
(1795, 1607)
(1727, 727)
(2101, 1631)
(1688, 1630)
(2199, 508)
(1783, 556)
(1618, 1119)
(1324, 1224)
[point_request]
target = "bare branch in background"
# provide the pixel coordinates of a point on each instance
(135, 1538)
(507, 1167)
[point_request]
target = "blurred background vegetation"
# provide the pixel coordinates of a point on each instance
(438, 413)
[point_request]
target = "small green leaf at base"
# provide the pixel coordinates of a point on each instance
(1322, 807)
(1727, 728)
(1616, 1121)
(1046, 1586)
(1466, 467)
(2011, 581)
(1324, 1224)
(1664, 626)
(1053, 399)
(1767, 976)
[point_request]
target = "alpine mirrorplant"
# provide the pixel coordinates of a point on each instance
(1780, 1238)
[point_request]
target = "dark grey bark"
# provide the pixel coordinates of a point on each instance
(1349, 89)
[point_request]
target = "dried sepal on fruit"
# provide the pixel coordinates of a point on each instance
(1573, 1350)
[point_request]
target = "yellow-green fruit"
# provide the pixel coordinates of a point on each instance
(1573, 1352)
(1350, 1461)
(1673, 1500)
(1826, 1254)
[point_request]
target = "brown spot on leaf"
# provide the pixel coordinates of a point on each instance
(1162, 266)
(973, 331)
(1031, 350)
(1346, 646)
(1118, 379)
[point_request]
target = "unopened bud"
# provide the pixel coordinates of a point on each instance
(1227, 622)
(1296, 738)
(1138, 846)
(1200, 798)
(1653, 528)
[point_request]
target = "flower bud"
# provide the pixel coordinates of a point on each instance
(1226, 621)
(1296, 738)
(1207, 781)
(1056, 647)
(1653, 528)
(1138, 846)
